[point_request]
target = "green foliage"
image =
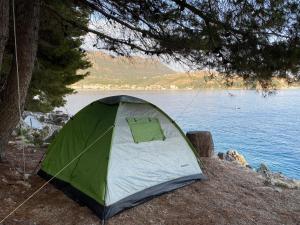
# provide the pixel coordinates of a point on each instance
(59, 56)
(37, 139)
(255, 39)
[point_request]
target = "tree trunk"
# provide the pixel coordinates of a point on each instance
(27, 26)
(202, 141)
(4, 21)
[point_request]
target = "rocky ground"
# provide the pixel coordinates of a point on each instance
(233, 194)
(39, 128)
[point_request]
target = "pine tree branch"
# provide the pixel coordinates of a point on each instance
(103, 36)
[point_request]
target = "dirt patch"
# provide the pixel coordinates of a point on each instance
(232, 195)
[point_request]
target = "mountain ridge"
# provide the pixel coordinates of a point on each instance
(138, 73)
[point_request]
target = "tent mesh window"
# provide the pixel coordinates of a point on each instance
(145, 129)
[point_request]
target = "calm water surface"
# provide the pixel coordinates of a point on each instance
(263, 129)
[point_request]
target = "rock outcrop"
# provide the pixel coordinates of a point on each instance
(277, 179)
(39, 128)
(273, 179)
(233, 156)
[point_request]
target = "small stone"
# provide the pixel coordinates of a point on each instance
(285, 183)
(281, 183)
(26, 176)
(279, 190)
(221, 155)
(263, 169)
(4, 180)
(9, 200)
(248, 166)
(24, 183)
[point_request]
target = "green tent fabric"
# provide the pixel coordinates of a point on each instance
(119, 151)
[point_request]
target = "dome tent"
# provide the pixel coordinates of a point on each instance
(135, 152)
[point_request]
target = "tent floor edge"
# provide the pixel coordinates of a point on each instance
(150, 193)
(105, 212)
(76, 195)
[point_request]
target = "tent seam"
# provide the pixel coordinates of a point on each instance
(108, 161)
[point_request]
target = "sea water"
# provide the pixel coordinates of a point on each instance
(264, 129)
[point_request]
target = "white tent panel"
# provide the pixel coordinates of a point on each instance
(136, 167)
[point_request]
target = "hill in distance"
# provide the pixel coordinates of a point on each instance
(107, 67)
(137, 73)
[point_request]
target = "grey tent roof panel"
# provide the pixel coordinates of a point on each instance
(112, 100)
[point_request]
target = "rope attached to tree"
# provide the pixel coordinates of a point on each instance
(47, 182)
(18, 84)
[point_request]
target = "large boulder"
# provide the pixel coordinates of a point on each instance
(233, 156)
(58, 118)
(277, 179)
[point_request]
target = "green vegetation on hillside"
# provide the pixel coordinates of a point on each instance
(140, 73)
(124, 68)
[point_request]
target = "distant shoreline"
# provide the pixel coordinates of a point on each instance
(140, 74)
(175, 89)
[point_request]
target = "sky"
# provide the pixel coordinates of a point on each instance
(90, 41)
